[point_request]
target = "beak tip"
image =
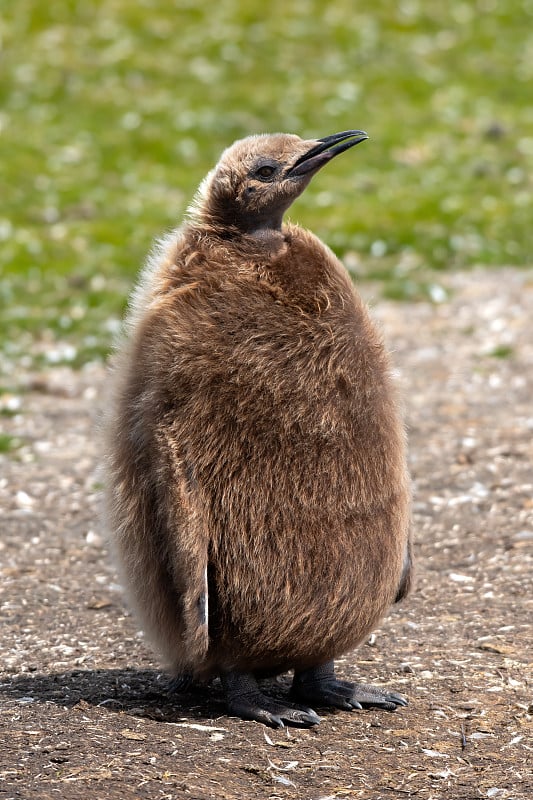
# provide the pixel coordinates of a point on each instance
(342, 136)
(324, 150)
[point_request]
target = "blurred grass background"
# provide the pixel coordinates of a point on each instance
(112, 111)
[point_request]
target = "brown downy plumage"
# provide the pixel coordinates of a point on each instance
(257, 488)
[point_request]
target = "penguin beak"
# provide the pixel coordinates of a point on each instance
(326, 149)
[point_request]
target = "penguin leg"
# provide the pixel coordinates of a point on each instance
(245, 700)
(320, 687)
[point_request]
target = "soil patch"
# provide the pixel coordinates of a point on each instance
(84, 708)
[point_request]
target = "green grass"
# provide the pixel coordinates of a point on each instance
(501, 351)
(111, 113)
(8, 443)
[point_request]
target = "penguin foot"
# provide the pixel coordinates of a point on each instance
(245, 700)
(374, 697)
(320, 687)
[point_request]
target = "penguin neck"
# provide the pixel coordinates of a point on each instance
(233, 226)
(260, 244)
(268, 241)
(266, 225)
(264, 231)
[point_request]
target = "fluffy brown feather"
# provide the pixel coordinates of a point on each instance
(256, 453)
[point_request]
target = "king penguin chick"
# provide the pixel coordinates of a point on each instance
(257, 489)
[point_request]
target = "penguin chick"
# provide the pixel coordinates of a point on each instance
(257, 489)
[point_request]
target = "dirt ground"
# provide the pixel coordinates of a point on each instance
(84, 710)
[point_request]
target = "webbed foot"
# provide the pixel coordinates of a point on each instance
(320, 687)
(245, 700)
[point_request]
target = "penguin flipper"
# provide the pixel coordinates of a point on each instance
(407, 578)
(189, 544)
(196, 615)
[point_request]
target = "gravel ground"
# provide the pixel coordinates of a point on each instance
(84, 710)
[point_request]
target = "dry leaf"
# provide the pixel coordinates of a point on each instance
(98, 604)
(492, 647)
(127, 734)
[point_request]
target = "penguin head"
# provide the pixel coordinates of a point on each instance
(258, 178)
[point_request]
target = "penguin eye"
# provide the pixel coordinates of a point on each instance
(265, 172)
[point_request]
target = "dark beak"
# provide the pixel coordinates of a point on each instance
(326, 149)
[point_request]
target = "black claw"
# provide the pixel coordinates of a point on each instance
(307, 717)
(246, 701)
(372, 696)
(320, 687)
(398, 699)
(262, 709)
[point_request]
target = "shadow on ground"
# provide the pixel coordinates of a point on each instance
(143, 693)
